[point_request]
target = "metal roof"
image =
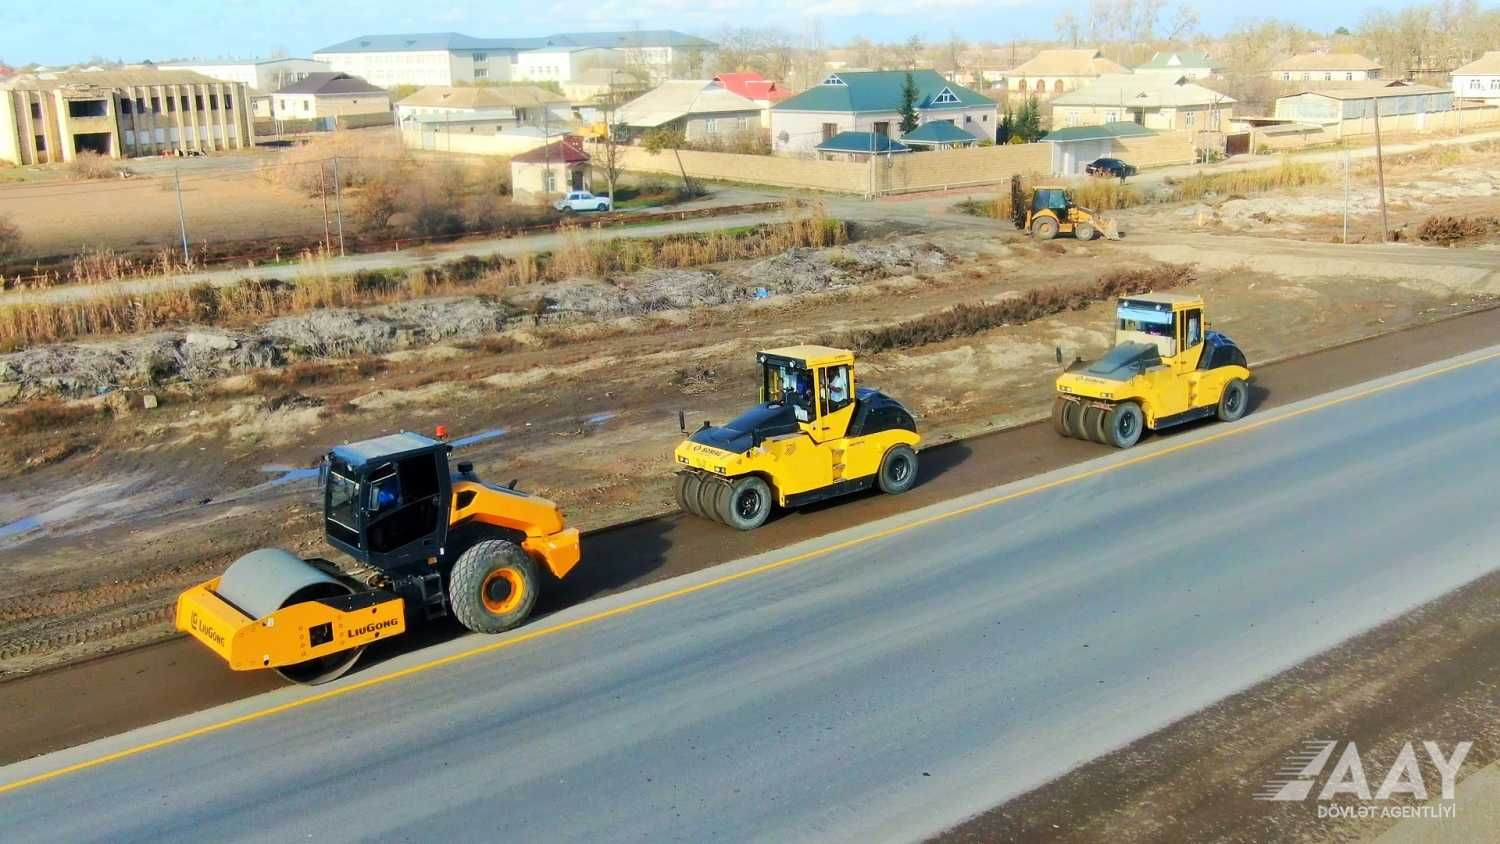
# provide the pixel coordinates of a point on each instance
(1141, 90)
(862, 142)
(1083, 62)
(1326, 61)
(880, 90)
(1118, 129)
(366, 451)
(319, 84)
(481, 97)
(1184, 59)
(676, 99)
(938, 132)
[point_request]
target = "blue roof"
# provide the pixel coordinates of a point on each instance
(938, 132)
(458, 42)
(865, 142)
(1118, 129)
(880, 90)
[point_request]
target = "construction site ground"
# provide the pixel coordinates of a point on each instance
(98, 539)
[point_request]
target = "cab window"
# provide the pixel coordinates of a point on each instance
(835, 388)
(1192, 331)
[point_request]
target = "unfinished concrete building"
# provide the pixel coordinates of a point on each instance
(51, 117)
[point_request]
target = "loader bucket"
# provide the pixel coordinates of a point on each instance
(1109, 228)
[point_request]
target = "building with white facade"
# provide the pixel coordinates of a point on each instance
(563, 64)
(870, 101)
(1479, 79)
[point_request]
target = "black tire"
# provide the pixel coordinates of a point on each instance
(1234, 401)
(708, 498)
(323, 669)
(603, 207)
(898, 470)
(567, 209)
(1044, 228)
(1085, 232)
(1093, 423)
(1073, 420)
(1059, 423)
(687, 495)
(747, 503)
(679, 490)
(1124, 424)
(493, 586)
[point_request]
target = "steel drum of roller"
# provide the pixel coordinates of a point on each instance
(264, 581)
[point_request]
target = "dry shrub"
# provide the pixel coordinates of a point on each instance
(109, 310)
(965, 320)
(362, 157)
(46, 415)
(1446, 229)
(1105, 194)
(91, 165)
(303, 374)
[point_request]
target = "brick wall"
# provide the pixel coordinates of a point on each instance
(1163, 150)
(942, 169)
(835, 176)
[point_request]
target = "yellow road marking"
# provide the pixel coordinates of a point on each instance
(1234, 430)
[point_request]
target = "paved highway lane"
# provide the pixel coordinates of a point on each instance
(879, 684)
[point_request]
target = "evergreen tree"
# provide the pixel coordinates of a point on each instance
(908, 105)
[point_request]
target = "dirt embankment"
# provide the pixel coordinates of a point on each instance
(583, 410)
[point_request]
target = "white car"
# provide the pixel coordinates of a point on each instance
(582, 200)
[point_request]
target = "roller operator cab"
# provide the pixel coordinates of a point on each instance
(1167, 367)
(814, 435)
(427, 542)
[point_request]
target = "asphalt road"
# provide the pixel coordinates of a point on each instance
(877, 684)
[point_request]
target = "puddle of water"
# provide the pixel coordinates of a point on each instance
(287, 475)
(20, 526)
(493, 433)
(601, 418)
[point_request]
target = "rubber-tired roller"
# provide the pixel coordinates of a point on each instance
(429, 543)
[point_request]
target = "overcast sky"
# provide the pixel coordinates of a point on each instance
(79, 29)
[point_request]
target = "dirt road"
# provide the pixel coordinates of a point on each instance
(64, 707)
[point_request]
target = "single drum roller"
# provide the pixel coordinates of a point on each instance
(270, 579)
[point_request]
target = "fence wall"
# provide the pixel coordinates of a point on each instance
(942, 169)
(1363, 129)
(499, 145)
(1163, 150)
(835, 176)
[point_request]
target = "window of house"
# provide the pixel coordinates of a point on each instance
(228, 102)
(743, 123)
(1495, 84)
(36, 111)
(479, 57)
(156, 105)
(184, 102)
(1287, 76)
(197, 102)
(41, 143)
(124, 107)
(481, 73)
(1349, 75)
(1306, 76)
(1073, 119)
(1328, 74)
(1111, 116)
(1474, 83)
(984, 118)
(307, 105)
(830, 129)
(711, 125)
(1189, 118)
(88, 108)
(882, 128)
(281, 105)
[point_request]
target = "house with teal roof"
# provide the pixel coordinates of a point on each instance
(870, 101)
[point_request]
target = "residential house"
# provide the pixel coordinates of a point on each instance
(260, 77)
(662, 53)
(756, 88)
(548, 170)
(1186, 64)
(488, 110)
(597, 84)
(51, 117)
(1329, 106)
(870, 101)
(701, 109)
(1156, 101)
(1053, 72)
(436, 58)
(325, 95)
(563, 64)
(1075, 147)
(1325, 67)
(1479, 79)
(859, 146)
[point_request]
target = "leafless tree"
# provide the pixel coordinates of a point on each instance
(1068, 28)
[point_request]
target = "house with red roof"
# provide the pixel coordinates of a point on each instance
(752, 86)
(558, 167)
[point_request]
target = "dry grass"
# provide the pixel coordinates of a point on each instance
(1288, 174)
(110, 311)
(45, 415)
(362, 155)
(966, 320)
(91, 165)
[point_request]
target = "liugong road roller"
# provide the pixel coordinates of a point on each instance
(814, 435)
(1166, 368)
(427, 543)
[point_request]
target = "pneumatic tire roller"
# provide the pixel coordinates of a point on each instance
(427, 543)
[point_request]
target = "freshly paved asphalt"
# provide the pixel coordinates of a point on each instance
(892, 685)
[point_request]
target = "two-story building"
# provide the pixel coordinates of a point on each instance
(870, 101)
(1325, 67)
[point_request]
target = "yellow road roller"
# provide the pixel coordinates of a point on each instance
(815, 435)
(427, 543)
(1166, 368)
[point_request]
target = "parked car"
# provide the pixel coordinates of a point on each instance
(1111, 167)
(582, 200)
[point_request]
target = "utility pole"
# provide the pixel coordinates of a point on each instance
(187, 257)
(338, 204)
(323, 191)
(1385, 227)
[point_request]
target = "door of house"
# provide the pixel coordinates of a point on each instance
(578, 179)
(883, 128)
